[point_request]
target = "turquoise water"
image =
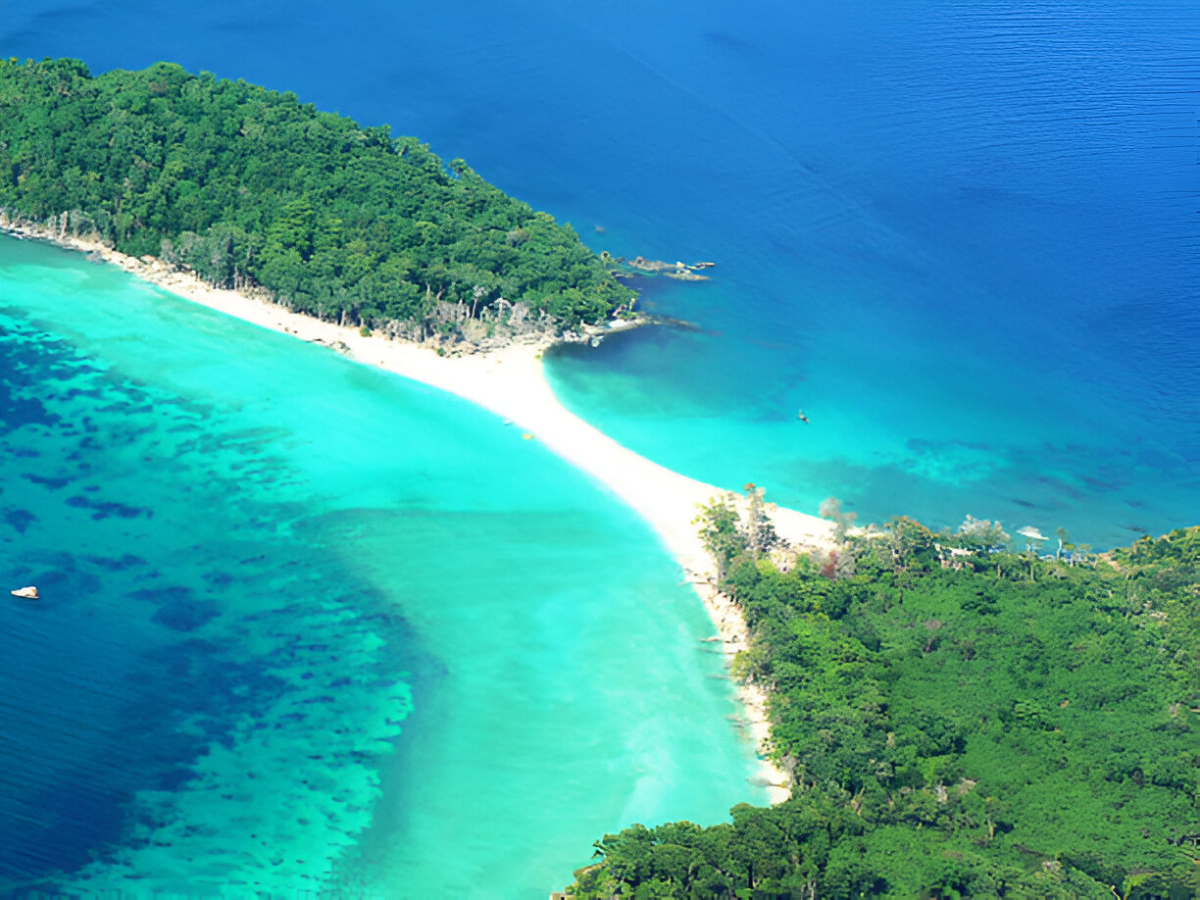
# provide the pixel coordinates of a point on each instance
(960, 236)
(308, 624)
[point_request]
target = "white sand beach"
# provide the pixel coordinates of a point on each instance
(511, 383)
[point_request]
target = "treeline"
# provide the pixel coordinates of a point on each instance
(959, 721)
(247, 186)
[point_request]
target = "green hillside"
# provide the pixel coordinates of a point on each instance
(971, 724)
(247, 186)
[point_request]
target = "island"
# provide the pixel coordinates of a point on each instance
(252, 190)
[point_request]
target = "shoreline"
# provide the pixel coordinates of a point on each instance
(511, 383)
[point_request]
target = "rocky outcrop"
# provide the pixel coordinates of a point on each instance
(678, 270)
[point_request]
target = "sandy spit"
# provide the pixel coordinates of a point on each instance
(511, 383)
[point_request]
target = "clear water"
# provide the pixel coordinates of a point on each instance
(960, 236)
(308, 624)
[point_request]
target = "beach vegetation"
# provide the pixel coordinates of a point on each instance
(250, 188)
(730, 535)
(960, 720)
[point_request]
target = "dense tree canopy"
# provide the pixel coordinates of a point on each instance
(959, 724)
(249, 186)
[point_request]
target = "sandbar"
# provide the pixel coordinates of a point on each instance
(511, 383)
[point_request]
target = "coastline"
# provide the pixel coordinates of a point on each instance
(511, 383)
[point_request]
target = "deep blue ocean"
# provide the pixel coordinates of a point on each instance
(962, 237)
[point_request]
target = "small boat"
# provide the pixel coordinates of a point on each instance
(29, 592)
(802, 417)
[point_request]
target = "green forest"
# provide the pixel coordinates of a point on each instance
(961, 717)
(960, 720)
(250, 187)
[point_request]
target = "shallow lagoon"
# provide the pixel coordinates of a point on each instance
(302, 619)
